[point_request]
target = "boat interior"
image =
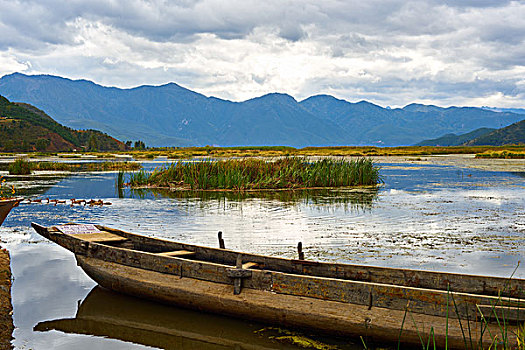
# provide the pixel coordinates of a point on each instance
(493, 286)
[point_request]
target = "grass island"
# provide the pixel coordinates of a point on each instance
(259, 174)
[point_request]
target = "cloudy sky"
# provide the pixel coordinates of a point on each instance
(391, 52)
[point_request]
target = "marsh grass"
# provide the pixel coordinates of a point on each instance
(119, 183)
(254, 173)
(346, 151)
(88, 166)
(505, 154)
(280, 151)
(20, 166)
(501, 341)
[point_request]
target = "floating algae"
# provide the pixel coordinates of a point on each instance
(294, 338)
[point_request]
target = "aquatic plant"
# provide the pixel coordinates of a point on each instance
(91, 166)
(5, 190)
(119, 183)
(255, 173)
(505, 154)
(20, 166)
(501, 341)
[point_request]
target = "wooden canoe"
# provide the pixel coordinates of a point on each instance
(386, 304)
(6, 205)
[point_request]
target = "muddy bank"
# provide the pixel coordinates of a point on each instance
(6, 320)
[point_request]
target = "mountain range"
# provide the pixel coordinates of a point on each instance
(26, 128)
(455, 140)
(171, 115)
(512, 134)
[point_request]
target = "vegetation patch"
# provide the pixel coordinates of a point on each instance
(505, 154)
(6, 191)
(20, 166)
(294, 338)
(91, 166)
(281, 151)
(24, 167)
(255, 173)
(29, 129)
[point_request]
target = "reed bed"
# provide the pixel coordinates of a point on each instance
(254, 173)
(20, 166)
(506, 154)
(280, 151)
(95, 166)
(25, 167)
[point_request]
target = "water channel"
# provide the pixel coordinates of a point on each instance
(425, 216)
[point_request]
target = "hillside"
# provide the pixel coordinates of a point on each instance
(511, 135)
(171, 115)
(455, 140)
(26, 128)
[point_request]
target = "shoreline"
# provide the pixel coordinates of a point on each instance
(254, 190)
(6, 309)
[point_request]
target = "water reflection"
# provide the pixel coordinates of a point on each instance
(425, 216)
(351, 199)
(107, 314)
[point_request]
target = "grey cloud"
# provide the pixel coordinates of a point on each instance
(165, 21)
(475, 3)
(395, 36)
(397, 91)
(291, 32)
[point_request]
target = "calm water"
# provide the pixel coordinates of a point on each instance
(424, 216)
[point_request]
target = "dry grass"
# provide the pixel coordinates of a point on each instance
(280, 151)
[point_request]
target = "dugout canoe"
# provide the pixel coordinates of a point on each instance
(385, 304)
(6, 205)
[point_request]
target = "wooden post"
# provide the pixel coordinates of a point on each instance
(300, 250)
(237, 282)
(221, 241)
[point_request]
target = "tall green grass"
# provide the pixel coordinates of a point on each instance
(503, 340)
(20, 166)
(24, 165)
(254, 173)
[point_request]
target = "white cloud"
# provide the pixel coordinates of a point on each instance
(391, 52)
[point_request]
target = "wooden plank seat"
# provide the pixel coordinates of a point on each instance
(89, 233)
(101, 237)
(178, 253)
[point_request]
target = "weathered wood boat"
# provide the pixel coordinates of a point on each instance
(6, 205)
(386, 304)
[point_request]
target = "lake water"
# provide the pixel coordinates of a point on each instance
(424, 216)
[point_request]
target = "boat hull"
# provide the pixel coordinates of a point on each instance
(339, 318)
(5, 207)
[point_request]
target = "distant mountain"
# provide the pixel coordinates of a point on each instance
(170, 115)
(372, 124)
(455, 140)
(26, 128)
(511, 135)
(511, 110)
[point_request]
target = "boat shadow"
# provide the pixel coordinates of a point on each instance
(104, 313)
